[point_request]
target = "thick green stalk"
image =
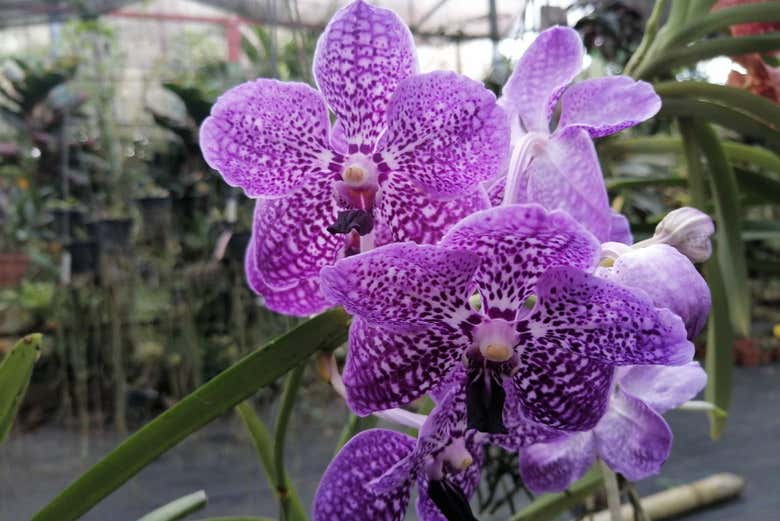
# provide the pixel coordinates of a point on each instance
(291, 386)
(651, 30)
(722, 19)
(234, 385)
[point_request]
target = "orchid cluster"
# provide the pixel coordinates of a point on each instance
(477, 252)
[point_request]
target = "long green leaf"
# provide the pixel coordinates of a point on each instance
(550, 506)
(704, 50)
(291, 387)
(234, 385)
(179, 508)
(723, 18)
(719, 361)
(15, 372)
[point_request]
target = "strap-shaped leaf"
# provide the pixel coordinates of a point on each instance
(226, 390)
(720, 344)
(179, 508)
(721, 20)
(15, 372)
(550, 506)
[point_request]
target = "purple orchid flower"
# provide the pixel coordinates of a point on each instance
(559, 169)
(415, 321)
(373, 474)
(632, 437)
(403, 161)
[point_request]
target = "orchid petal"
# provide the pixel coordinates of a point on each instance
(620, 229)
(554, 466)
(632, 438)
(361, 57)
(663, 387)
(603, 321)
(517, 243)
(343, 493)
(267, 137)
(445, 133)
(604, 106)
(549, 64)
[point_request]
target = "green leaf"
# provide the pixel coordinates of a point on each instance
(179, 508)
(723, 18)
(234, 385)
(15, 372)
(240, 518)
(290, 511)
(619, 183)
(550, 506)
(704, 50)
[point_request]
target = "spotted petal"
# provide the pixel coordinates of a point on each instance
(565, 174)
(267, 137)
(412, 216)
(663, 387)
(603, 321)
(632, 438)
(669, 278)
(557, 388)
(445, 133)
(552, 467)
(361, 57)
(603, 106)
(342, 493)
(517, 243)
(302, 300)
(549, 64)
(291, 239)
(402, 285)
(388, 369)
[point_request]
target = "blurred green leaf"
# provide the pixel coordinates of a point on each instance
(15, 372)
(550, 506)
(721, 20)
(719, 360)
(234, 385)
(178, 508)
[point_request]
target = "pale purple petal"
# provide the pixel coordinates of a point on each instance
(517, 243)
(620, 229)
(664, 387)
(343, 493)
(291, 238)
(552, 467)
(361, 57)
(603, 321)
(549, 64)
(302, 300)
(557, 388)
(565, 174)
(603, 106)
(495, 191)
(445, 133)
(411, 215)
(669, 278)
(632, 438)
(338, 139)
(402, 285)
(267, 137)
(388, 369)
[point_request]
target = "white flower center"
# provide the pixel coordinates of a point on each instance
(495, 340)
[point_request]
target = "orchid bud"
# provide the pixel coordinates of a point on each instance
(688, 230)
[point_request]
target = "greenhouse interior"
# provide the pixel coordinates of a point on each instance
(357, 260)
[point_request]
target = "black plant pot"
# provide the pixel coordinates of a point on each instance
(236, 248)
(83, 256)
(112, 233)
(74, 219)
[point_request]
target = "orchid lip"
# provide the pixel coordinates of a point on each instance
(495, 339)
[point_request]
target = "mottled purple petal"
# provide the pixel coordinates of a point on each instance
(669, 278)
(302, 300)
(412, 216)
(664, 387)
(291, 239)
(445, 133)
(517, 243)
(338, 139)
(267, 137)
(565, 174)
(361, 57)
(552, 467)
(549, 64)
(467, 481)
(343, 493)
(495, 191)
(603, 321)
(388, 369)
(632, 438)
(603, 106)
(620, 229)
(402, 285)
(557, 388)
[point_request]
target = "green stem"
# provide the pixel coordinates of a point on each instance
(722, 19)
(707, 49)
(179, 508)
(291, 386)
(612, 492)
(549, 506)
(651, 30)
(697, 181)
(354, 425)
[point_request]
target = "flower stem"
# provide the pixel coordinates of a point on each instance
(613, 493)
(291, 386)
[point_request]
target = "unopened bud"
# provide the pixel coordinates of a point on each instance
(688, 230)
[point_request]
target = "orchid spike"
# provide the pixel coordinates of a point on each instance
(632, 438)
(403, 161)
(559, 169)
(552, 364)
